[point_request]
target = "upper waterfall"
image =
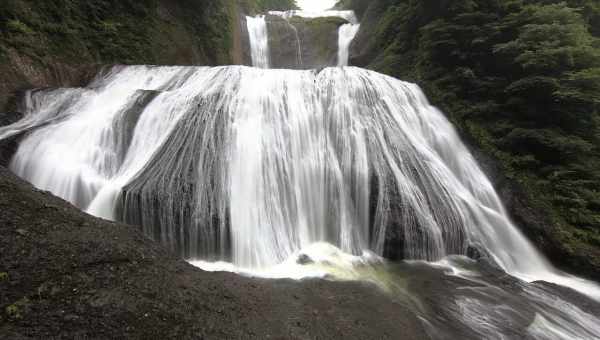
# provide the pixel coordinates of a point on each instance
(269, 41)
(346, 36)
(259, 41)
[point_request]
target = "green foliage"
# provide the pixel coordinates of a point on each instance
(358, 6)
(551, 39)
(547, 145)
(276, 5)
(111, 31)
(519, 77)
(262, 6)
(15, 26)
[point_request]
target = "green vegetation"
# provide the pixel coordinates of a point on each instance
(63, 42)
(320, 22)
(262, 6)
(276, 5)
(522, 80)
(358, 6)
(111, 31)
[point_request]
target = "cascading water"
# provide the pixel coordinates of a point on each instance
(347, 33)
(253, 165)
(258, 168)
(259, 41)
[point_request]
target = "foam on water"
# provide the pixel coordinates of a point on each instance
(319, 260)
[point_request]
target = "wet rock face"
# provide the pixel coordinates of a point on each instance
(242, 54)
(304, 259)
(302, 43)
(7, 118)
(474, 252)
(8, 147)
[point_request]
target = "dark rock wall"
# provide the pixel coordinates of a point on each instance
(315, 40)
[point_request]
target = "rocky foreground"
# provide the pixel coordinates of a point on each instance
(65, 274)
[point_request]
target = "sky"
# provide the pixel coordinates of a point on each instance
(315, 5)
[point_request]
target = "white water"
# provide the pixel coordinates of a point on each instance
(326, 260)
(259, 41)
(346, 35)
(489, 309)
(253, 166)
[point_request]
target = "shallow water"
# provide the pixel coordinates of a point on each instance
(456, 297)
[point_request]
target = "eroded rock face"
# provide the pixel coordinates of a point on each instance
(303, 43)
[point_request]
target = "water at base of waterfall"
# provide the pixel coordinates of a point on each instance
(455, 298)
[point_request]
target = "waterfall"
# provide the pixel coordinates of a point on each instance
(346, 34)
(252, 166)
(259, 41)
(289, 173)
